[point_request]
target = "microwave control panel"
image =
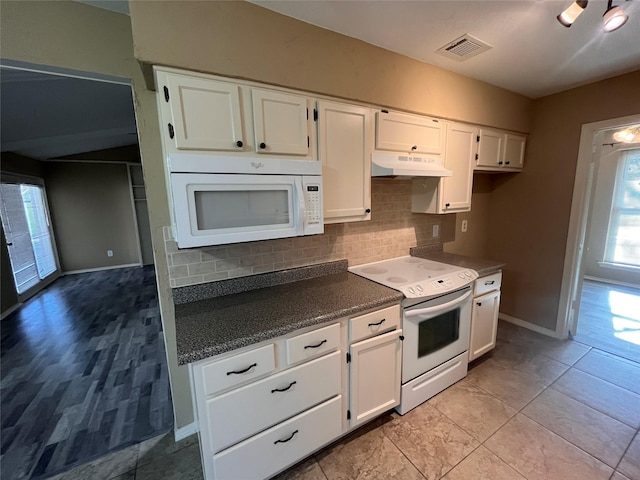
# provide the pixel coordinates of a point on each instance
(313, 203)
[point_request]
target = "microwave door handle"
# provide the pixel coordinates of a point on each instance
(437, 308)
(300, 220)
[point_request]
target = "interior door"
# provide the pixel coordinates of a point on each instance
(27, 228)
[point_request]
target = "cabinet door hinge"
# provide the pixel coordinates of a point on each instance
(348, 414)
(478, 138)
(307, 114)
(348, 357)
(476, 156)
(171, 132)
(166, 93)
(315, 115)
(308, 142)
(384, 111)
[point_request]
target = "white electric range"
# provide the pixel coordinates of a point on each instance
(436, 322)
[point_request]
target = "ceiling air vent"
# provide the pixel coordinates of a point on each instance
(463, 48)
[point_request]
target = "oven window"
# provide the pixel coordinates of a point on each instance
(438, 332)
(237, 208)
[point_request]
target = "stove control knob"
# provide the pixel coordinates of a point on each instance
(419, 288)
(411, 290)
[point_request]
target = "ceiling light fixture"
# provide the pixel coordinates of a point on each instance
(628, 135)
(572, 12)
(613, 18)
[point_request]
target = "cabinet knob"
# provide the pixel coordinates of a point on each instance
(368, 210)
(415, 147)
(447, 205)
(499, 163)
(507, 163)
(263, 145)
(479, 304)
(239, 144)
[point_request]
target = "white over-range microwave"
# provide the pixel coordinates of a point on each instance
(219, 200)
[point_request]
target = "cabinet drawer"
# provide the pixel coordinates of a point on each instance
(313, 344)
(487, 284)
(277, 448)
(374, 323)
(238, 369)
(240, 413)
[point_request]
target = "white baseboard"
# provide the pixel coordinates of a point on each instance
(613, 282)
(186, 431)
(10, 310)
(113, 267)
(529, 325)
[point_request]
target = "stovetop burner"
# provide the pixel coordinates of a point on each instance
(416, 277)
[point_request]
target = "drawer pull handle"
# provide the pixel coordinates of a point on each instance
(489, 282)
(285, 441)
(283, 389)
(238, 372)
(316, 346)
(377, 323)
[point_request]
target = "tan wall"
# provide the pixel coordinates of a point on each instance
(596, 239)
(529, 212)
(242, 40)
(91, 212)
(473, 242)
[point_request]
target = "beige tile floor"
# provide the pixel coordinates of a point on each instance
(536, 408)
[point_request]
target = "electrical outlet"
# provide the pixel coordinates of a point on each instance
(109, 253)
(436, 230)
(465, 224)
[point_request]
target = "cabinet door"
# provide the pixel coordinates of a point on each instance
(344, 147)
(281, 122)
(400, 132)
(490, 149)
(375, 376)
(484, 324)
(459, 157)
(514, 150)
(205, 114)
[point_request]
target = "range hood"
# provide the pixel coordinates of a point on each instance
(389, 165)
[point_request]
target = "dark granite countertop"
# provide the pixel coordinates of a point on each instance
(216, 325)
(480, 265)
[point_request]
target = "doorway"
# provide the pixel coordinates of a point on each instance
(601, 281)
(29, 235)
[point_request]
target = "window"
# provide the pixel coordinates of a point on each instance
(623, 235)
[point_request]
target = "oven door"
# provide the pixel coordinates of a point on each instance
(435, 331)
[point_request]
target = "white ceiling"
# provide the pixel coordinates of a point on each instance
(532, 53)
(46, 116)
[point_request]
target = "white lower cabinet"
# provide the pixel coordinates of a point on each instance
(272, 450)
(262, 410)
(374, 376)
(484, 315)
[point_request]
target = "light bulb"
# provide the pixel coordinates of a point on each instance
(613, 19)
(572, 12)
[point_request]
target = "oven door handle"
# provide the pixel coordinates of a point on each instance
(437, 308)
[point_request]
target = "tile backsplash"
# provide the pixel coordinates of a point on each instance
(392, 230)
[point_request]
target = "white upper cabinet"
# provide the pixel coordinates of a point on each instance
(205, 113)
(449, 194)
(401, 132)
(500, 150)
(514, 150)
(281, 122)
(344, 148)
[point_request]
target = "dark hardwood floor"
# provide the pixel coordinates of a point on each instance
(83, 372)
(610, 319)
